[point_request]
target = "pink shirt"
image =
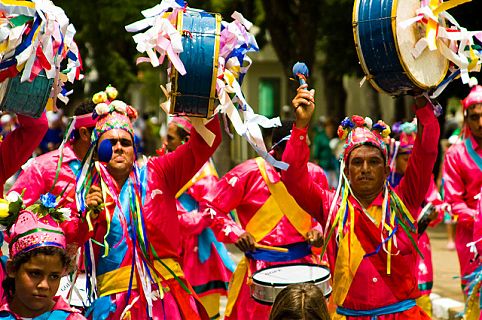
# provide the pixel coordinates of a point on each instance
(244, 189)
(19, 145)
(371, 287)
(462, 180)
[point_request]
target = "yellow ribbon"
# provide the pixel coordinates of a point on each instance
(116, 281)
(279, 204)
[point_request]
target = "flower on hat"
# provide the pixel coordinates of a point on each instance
(342, 133)
(119, 106)
(9, 209)
(48, 205)
(100, 97)
(102, 108)
(358, 121)
(111, 92)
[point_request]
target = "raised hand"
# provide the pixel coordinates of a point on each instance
(303, 105)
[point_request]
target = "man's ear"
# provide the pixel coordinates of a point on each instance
(11, 272)
(84, 134)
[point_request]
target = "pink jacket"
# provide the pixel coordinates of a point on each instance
(462, 180)
(371, 287)
(19, 145)
(244, 189)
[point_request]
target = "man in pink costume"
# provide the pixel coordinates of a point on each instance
(131, 210)
(463, 179)
(205, 260)
(371, 226)
(266, 215)
(43, 173)
(432, 210)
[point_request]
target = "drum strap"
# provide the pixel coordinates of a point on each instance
(279, 204)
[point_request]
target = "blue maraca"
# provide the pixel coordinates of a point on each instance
(300, 71)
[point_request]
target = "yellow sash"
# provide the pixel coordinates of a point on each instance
(207, 170)
(116, 281)
(279, 204)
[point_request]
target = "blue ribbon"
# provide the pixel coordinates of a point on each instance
(473, 155)
(295, 251)
(52, 315)
(101, 308)
(205, 239)
(375, 313)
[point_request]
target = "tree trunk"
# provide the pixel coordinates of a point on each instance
(335, 96)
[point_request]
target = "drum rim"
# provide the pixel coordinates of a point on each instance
(371, 78)
(361, 58)
(277, 284)
(402, 61)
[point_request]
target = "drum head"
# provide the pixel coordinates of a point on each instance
(289, 274)
(428, 69)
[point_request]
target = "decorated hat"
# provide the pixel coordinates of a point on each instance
(182, 122)
(475, 95)
(408, 134)
(34, 227)
(111, 113)
(357, 131)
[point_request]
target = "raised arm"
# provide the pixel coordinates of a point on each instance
(415, 183)
(19, 145)
(299, 183)
(177, 167)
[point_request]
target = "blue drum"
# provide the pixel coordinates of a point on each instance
(194, 93)
(384, 48)
(27, 98)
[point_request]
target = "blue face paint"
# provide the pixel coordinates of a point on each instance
(105, 151)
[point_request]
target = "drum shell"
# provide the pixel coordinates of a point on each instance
(194, 93)
(265, 293)
(26, 98)
(376, 42)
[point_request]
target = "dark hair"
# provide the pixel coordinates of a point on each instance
(183, 134)
(304, 301)
(280, 132)
(85, 107)
(8, 283)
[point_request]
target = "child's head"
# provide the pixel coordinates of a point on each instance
(37, 262)
(303, 301)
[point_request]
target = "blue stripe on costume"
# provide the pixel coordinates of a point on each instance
(295, 251)
(375, 313)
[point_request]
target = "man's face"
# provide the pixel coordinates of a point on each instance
(401, 163)
(366, 171)
(474, 120)
(173, 138)
(122, 152)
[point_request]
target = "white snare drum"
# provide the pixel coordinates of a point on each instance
(78, 294)
(267, 283)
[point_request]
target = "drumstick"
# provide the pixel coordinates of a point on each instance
(262, 246)
(300, 71)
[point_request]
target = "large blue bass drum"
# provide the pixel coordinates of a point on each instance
(194, 93)
(384, 48)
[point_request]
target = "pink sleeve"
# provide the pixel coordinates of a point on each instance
(177, 167)
(309, 195)
(224, 197)
(19, 145)
(32, 182)
(478, 225)
(454, 187)
(416, 181)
